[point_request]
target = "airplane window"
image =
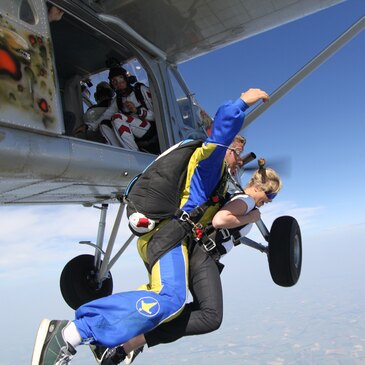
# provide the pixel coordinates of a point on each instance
(196, 121)
(135, 68)
(183, 101)
(27, 13)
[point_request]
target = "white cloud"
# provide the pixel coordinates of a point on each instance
(34, 237)
(43, 237)
(344, 231)
(304, 215)
(38, 223)
(35, 240)
(307, 217)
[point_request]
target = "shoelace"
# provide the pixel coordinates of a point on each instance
(65, 357)
(65, 360)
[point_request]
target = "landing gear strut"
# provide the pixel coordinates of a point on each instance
(88, 277)
(79, 283)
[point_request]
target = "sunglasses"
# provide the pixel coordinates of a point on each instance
(270, 195)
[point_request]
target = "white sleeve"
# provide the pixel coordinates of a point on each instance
(250, 205)
(250, 202)
(109, 112)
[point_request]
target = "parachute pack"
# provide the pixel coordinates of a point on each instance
(154, 194)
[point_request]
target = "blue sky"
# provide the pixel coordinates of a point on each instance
(319, 125)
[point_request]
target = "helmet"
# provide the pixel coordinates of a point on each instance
(103, 89)
(117, 71)
(121, 71)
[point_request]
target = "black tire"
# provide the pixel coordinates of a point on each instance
(78, 284)
(285, 251)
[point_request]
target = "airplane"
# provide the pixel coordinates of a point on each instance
(45, 67)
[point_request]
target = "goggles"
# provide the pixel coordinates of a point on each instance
(236, 151)
(270, 195)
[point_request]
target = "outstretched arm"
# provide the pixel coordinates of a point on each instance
(205, 166)
(233, 215)
(229, 118)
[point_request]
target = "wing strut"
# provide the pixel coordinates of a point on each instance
(147, 45)
(307, 69)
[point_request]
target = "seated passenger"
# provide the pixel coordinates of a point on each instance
(131, 113)
(101, 132)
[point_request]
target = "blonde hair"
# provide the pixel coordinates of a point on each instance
(266, 179)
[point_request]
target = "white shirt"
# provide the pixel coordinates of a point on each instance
(250, 202)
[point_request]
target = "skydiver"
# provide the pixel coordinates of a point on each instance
(205, 313)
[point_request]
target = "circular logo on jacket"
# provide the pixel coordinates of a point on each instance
(148, 306)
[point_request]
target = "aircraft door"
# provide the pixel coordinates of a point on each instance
(28, 95)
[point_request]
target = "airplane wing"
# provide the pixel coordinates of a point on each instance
(39, 162)
(44, 169)
(184, 29)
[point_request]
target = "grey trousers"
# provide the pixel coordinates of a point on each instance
(205, 313)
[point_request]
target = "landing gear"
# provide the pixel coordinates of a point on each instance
(79, 283)
(87, 277)
(285, 251)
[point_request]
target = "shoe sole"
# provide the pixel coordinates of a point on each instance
(39, 342)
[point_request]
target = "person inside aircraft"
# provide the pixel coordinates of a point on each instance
(131, 113)
(205, 313)
(117, 318)
(85, 95)
(103, 132)
(54, 13)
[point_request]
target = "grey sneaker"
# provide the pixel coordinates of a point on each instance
(50, 347)
(132, 355)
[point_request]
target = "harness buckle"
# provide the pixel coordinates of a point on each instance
(185, 217)
(225, 233)
(209, 245)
